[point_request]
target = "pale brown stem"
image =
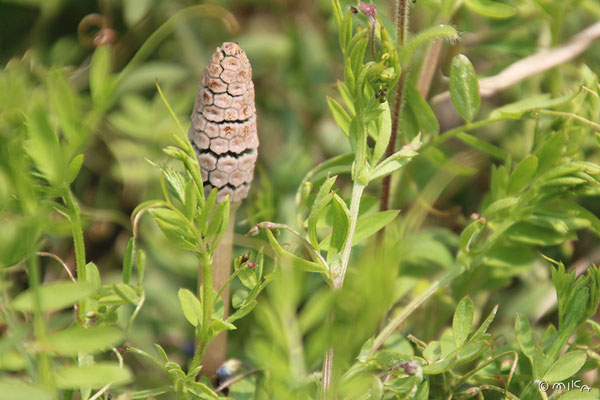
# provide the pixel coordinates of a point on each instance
(534, 64)
(216, 351)
(429, 67)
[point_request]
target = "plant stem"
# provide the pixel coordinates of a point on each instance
(216, 350)
(357, 190)
(414, 304)
(401, 28)
(205, 283)
(401, 20)
(77, 230)
(338, 280)
(39, 327)
(387, 181)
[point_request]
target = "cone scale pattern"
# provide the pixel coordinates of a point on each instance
(223, 130)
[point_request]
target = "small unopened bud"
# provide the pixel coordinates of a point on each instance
(469, 393)
(223, 130)
(410, 368)
(253, 231)
(251, 264)
(370, 11)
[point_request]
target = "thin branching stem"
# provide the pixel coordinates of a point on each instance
(207, 307)
(77, 230)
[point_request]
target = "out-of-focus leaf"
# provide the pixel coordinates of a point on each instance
(53, 296)
(43, 146)
(491, 8)
(13, 389)
(128, 260)
(424, 115)
(92, 376)
(78, 339)
(102, 83)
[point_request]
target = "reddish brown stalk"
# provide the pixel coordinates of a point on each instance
(401, 27)
(401, 20)
(385, 189)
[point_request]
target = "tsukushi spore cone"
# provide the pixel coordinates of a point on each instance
(223, 133)
(223, 130)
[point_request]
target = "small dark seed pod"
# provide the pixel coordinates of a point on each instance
(223, 130)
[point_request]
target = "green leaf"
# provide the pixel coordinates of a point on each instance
(175, 227)
(218, 325)
(581, 394)
(490, 8)
(243, 389)
(127, 293)
(218, 224)
(534, 234)
(384, 128)
(566, 366)
(346, 31)
(550, 152)
(128, 260)
(482, 145)
(525, 336)
(433, 351)
(432, 33)
(357, 54)
(191, 200)
(201, 390)
(396, 160)
(286, 256)
(522, 174)
(74, 167)
(207, 210)
(13, 389)
(368, 225)
(192, 309)
(92, 376)
(462, 321)
(102, 84)
(500, 206)
(341, 224)
(242, 311)
(470, 351)
(176, 182)
(43, 146)
(339, 114)
(439, 367)
(53, 296)
(67, 106)
(324, 196)
(424, 115)
(517, 109)
(464, 88)
(78, 339)
(248, 277)
(92, 275)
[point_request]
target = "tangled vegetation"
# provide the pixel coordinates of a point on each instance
(422, 223)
